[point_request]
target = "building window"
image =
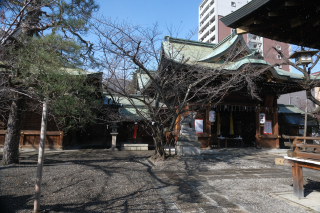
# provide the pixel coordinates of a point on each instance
(280, 66)
(278, 56)
(278, 47)
(233, 4)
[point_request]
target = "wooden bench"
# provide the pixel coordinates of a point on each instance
(298, 157)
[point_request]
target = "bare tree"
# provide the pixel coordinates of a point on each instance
(309, 81)
(167, 80)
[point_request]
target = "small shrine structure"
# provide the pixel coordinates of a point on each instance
(238, 115)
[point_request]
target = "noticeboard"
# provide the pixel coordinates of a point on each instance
(268, 128)
(198, 124)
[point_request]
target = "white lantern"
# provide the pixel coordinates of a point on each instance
(303, 57)
(212, 116)
(262, 118)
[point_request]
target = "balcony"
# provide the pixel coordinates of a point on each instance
(203, 4)
(208, 14)
(254, 38)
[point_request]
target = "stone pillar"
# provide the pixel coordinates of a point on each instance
(114, 141)
(114, 134)
(187, 143)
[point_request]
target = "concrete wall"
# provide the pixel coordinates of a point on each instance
(296, 98)
(223, 30)
(224, 7)
(270, 55)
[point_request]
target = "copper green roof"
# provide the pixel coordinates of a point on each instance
(131, 107)
(294, 116)
(203, 54)
(289, 108)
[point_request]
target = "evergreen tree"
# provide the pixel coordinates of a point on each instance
(42, 73)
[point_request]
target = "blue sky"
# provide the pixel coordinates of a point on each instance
(182, 14)
(147, 12)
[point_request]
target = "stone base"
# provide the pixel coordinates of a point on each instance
(192, 138)
(188, 148)
(134, 146)
(113, 148)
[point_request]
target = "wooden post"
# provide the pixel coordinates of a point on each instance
(21, 138)
(305, 121)
(61, 139)
(258, 127)
(276, 128)
(40, 158)
(208, 127)
(297, 176)
(22, 129)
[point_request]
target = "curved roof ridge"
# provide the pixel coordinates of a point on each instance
(225, 39)
(187, 41)
(224, 46)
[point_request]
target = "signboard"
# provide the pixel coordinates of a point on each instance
(268, 128)
(198, 125)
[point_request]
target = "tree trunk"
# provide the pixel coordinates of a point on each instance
(40, 158)
(159, 149)
(11, 144)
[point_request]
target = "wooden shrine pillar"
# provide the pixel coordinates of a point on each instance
(208, 126)
(258, 139)
(23, 126)
(276, 128)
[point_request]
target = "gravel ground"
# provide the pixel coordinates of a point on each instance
(91, 181)
(127, 181)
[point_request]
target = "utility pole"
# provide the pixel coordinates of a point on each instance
(305, 121)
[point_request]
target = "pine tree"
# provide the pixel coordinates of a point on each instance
(38, 75)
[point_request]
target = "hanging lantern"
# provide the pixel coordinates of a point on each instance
(303, 57)
(262, 118)
(212, 116)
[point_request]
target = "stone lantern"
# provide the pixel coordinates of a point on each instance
(303, 57)
(114, 134)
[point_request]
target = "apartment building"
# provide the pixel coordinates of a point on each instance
(212, 30)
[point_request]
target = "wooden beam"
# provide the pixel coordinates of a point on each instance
(272, 14)
(316, 146)
(316, 23)
(307, 138)
(305, 155)
(242, 30)
(269, 136)
(297, 3)
(248, 22)
(296, 22)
